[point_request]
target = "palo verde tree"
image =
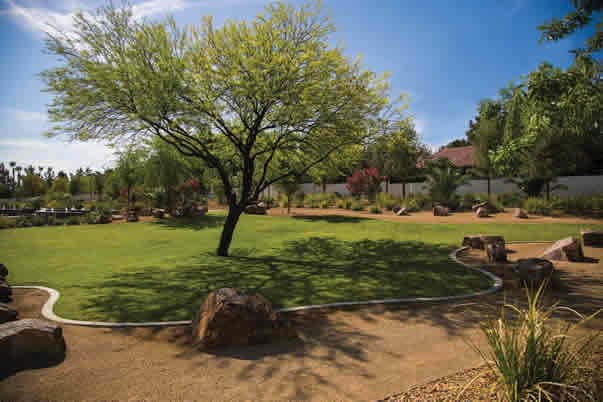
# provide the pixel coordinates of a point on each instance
(234, 96)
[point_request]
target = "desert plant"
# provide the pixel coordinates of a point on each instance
(73, 220)
(374, 209)
(510, 200)
(443, 179)
(535, 360)
(386, 201)
(411, 205)
(538, 206)
(7, 223)
(324, 204)
(357, 206)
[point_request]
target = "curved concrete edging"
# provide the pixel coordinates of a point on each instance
(48, 308)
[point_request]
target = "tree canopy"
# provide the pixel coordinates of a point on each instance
(237, 97)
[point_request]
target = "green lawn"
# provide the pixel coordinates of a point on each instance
(161, 271)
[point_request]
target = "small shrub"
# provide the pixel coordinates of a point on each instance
(299, 204)
(422, 201)
(538, 206)
(23, 222)
(467, 201)
(7, 223)
(38, 220)
(412, 205)
(510, 200)
(357, 206)
(73, 220)
(374, 209)
(534, 360)
(386, 201)
(93, 218)
(324, 204)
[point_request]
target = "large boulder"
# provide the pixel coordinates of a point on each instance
(158, 213)
(589, 238)
(533, 272)
(491, 239)
(400, 211)
(496, 252)
(30, 343)
(256, 209)
(568, 249)
(3, 271)
(7, 314)
(473, 241)
(440, 210)
(520, 214)
(482, 212)
(5, 292)
(483, 205)
(230, 317)
(132, 216)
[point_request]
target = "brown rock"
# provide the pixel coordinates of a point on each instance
(3, 271)
(230, 317)
(5, 292)
(30, 343)
(496, 252)
(159, 213)
(484, 204)
(568, 249)
(490, 239)
(255, 210)
(440, 210)
(132, 216)
(7, 314)
(591, 238)
(520, 214)
(482, 212)
(534, 271)
(473, 241)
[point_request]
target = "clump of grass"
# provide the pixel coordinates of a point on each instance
(532, 361)
(375, 209)
(357, 206)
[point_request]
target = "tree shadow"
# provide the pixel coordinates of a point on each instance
(330, 218)
(316, 270)
(198, 223)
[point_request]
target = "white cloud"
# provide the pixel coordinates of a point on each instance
(40, 19)
(60, 155)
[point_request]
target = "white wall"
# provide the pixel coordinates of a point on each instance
(576, 185)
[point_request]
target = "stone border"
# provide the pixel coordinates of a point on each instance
(48, 308)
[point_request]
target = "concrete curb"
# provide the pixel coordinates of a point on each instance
(48, 308)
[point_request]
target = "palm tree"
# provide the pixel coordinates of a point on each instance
(443, 180)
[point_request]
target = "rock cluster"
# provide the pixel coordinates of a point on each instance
(591, 238)
(568, 249)
(256, 209)
(520, 214)
(440, 210)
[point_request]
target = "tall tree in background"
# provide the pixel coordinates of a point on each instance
(129, 171)
(336, 165)
(234, 96)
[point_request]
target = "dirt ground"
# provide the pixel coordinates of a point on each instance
(359, 354)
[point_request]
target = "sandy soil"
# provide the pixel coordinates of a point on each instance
(353, 355)
(427, 216)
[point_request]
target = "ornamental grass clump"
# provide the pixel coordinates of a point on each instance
(534, 359)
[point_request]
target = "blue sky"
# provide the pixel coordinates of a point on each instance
(446, 54)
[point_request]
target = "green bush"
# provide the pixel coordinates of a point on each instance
(494, 201)
(7, 223)
(579, 205)
(412, 205)
(387, 201)
(422, 201)
(73, 220)
(345, 203)
(324, 204)
(38, 220)
(535, 360)
(357, 206)
(538, 206)
(23, 222)
(467, 201)
(93, 218)
(374, 209)
(510, 200)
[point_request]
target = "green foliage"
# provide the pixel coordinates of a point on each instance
(387, 201)
(345, 203)
(374, 209)
(538, 206)
(443, 180)
(324, 204)
(417, 202)
(467, 200)
(511, 200)
(357, 206)
(73, 220)
(580, 205)
(7, 223)
(536, 360)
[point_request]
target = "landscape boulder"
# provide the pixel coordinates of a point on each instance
(440, 210)
(132, 216)
(568, 249)
(5, 292)
(520, 214)
(263, 204)
(473, 241)
(3, 271)
(496, 252)
(482, 212)
(230, 317)
(533, 272)
(255, 209)
(484, 205)
(159, 213)
(589, 238)
(7, 314)
(398, 210)
(30, 343)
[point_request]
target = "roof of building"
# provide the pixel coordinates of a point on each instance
(458, 156)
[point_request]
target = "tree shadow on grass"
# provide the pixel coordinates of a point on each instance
(316, 270)
(330, 218)
(203, 222)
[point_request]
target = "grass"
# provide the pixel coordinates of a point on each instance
(161, 271)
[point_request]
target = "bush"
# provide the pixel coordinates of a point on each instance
(422, 201)
(538, 206)
(38, 220)
(312, 201)
(467, 201)
(387, 201)
(93, 218)
(534, 360)
(324, 204)
(345, 203)
(73, 220)
(494, 201)
(411, 205)
(374, 209)
(7, 223)
(23, 222)
(357, 206)
(510, 200)
(579, 205)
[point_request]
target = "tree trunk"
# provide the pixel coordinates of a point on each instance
(288, 204)
(324, 186)
(387, 186)
(234, 213)
(548, 190)
(488, 186)
(403, 190)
